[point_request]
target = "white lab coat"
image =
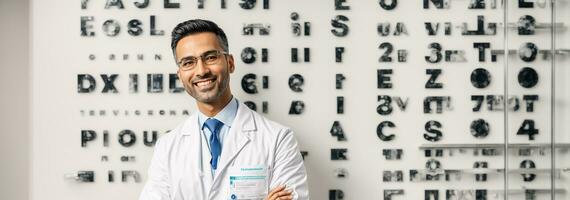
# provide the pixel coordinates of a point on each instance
(180, 169)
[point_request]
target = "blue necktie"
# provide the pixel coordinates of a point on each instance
(214, 126)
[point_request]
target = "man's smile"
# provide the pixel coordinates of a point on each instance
(204, 84)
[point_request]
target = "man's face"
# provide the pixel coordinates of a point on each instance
(206, 83)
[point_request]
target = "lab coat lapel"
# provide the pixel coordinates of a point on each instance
(199, 167)
(237, 138)
(192, 131)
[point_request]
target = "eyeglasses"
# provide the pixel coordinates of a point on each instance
(208, 58)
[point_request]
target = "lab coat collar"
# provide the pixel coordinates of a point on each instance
(238, 137)
(244, 117)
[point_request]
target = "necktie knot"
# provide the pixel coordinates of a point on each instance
(213, 125)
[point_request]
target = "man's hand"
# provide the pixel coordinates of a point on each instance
(279, 193)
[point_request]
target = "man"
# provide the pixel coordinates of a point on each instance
(225, 150)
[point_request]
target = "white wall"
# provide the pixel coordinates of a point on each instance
(15, 86)
(14, 103)
(60, 54)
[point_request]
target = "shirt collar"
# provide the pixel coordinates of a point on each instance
(226, 115)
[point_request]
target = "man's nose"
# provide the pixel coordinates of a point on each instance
(201, 67)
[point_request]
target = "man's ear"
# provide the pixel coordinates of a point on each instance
(231, 63)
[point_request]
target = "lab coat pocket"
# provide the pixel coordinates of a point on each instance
(248, 182)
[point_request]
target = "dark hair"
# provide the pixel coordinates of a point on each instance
(194, 26)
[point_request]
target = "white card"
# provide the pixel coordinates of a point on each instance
(248, 183)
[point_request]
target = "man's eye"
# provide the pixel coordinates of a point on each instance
(188, 63)
(211, 57)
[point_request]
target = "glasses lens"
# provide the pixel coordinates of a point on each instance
(211, 58)
(188, 64)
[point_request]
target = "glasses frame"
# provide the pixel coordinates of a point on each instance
(202, 58)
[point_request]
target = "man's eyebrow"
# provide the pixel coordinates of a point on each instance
(209, 52)
(193, 57)
(187, 58)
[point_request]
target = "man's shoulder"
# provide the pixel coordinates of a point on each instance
(171, 135)
(177, 131)
(268, 125)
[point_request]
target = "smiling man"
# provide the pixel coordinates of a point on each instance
(225, 150)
